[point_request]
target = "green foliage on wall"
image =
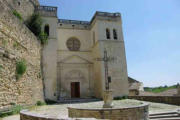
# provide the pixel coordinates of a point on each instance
(34, 24)
(43, 37)
(18, 15)
(20, 68)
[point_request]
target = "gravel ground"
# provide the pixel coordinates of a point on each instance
(61, 109)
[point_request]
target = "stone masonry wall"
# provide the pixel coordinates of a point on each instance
(18, 42)
(24, 7)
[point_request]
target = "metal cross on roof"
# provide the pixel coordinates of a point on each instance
(106, 59)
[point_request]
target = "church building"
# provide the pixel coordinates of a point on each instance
(70, 58)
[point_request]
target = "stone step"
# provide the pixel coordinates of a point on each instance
(165, 116)
(175, 118)
(165, 113)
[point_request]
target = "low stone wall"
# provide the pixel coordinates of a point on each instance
(140, 112)
(26, 115)
(174, 100)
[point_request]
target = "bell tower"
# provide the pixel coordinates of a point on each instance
(110, 38)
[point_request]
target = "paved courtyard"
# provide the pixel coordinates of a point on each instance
(60, 110)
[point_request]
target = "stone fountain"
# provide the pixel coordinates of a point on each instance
(108, 111)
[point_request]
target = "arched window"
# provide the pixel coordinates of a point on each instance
(46, 29)
(73, 44)
(108, 36)
(115, 34)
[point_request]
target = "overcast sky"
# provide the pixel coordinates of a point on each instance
(151, 33)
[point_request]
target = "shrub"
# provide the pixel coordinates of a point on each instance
(40, 103)
(34, 24)
(18, 15)
(14, 110)
(121, 97)
(20, 68)
(50, 102)
(43, 38)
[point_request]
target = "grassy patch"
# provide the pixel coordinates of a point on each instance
(159, 89)
(14, 110)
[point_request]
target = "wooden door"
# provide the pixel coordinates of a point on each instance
(75, 90)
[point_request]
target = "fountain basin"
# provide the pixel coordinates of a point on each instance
(139, 112)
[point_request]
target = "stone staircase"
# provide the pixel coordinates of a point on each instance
(165, 116)
(77, 100)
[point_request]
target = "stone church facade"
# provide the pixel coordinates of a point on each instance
(70, 65)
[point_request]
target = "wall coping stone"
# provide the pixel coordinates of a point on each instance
(34, 116)
(102, 109)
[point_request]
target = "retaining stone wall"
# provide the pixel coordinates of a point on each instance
(18, 42)
(24, 7)
(174, 100)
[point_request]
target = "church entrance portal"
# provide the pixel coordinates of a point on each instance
(75, 89)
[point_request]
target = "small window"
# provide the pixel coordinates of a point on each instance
(46, 29)
(73, 44)
(115, 34)
(108, 34)
(19, 3)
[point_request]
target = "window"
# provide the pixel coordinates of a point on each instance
(115, 34)
(108, 34)
(73, 44)
(46, 29)
(19, 3)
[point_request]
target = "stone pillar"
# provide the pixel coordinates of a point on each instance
(178, 89)
(108, 99)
